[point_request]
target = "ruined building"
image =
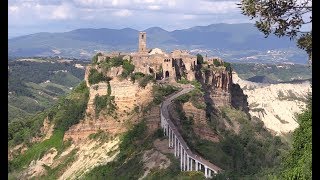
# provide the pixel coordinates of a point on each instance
(177, 65)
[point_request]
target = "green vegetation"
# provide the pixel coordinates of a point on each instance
(195, 96)
(280, 73)
(68, 111)
(95, 58)
(145, 80)
(100, 135)
(127, 164)
(199, 59)
(174, 172)
(128, 68)
(227, 66)
(22, 131)
(36, 151)
(159, 92)
(298, 163)
(108, 63)
(71, 109)
(216, 62)
(105, 102)
(183, 81)
(241, 155)
(53, 173)
(287, 22)
(36, 86)
(136, 76)
(95, 77)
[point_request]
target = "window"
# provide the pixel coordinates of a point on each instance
(142, 36)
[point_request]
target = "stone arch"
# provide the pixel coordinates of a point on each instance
(166, 74)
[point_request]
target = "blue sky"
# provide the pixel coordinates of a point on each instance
(32, 16)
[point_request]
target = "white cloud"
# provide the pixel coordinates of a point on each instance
(122, 13)
(216, 7)
(13, 9)
(171, 3)
(188, 16)
(61, 12)
(139, 14)
(154, 7)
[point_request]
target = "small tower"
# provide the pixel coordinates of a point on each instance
(142, 42)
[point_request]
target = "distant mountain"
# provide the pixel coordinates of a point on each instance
(213, 39)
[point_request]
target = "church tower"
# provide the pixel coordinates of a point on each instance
(142, 42)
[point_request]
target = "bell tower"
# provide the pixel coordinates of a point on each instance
(142, 42)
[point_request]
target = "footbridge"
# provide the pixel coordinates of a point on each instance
(188, 160)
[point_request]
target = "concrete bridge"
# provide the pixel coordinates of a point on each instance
(188, 160)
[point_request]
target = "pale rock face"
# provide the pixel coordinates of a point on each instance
(278, 115)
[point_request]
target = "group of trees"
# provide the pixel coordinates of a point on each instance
(286, 18)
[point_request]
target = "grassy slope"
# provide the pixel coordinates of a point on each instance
(68, 111)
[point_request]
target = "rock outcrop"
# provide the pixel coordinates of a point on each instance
(275, 104)
(218, 82)
(127, 97)
(200, 126)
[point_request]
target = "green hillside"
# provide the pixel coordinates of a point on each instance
(36, 85)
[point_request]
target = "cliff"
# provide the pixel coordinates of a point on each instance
(129, 98)
(275, 104)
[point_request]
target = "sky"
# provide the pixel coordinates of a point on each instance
(33, 16)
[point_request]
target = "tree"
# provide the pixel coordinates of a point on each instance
(285, 18)
(282, 18)
(199, 59)
(298, 163)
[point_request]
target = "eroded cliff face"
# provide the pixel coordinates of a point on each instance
(200, 126)
(217, 82)
(129, 99)
(275, 104)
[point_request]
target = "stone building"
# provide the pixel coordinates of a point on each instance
(169, 66)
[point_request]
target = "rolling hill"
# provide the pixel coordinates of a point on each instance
(230, 41)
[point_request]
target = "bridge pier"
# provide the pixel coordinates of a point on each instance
(181, 150)
(181, 156)
(175, 146)
(196, 165)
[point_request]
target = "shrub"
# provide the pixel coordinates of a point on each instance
(104, 102)
(183, 98)
(216, 62)
(183, 81)
(145, 80)
(95, 77)
(95, 58)
(227, 66)
(199, 59)
(159, 92)
(136, 76)
(128, 68)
